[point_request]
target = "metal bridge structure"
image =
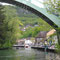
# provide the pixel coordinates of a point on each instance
(38, 8)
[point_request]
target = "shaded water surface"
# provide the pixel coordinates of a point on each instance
(27, 54)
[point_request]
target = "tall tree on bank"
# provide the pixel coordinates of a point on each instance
(12, 23)
(2, 35)
(11, 30)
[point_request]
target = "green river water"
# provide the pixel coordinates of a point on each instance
(27, 54)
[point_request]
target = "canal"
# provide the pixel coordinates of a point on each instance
(27, 54)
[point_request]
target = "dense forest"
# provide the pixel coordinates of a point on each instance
(13, 19)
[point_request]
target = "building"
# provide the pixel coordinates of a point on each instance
(20, 42)
(41, 37)
(46, 37)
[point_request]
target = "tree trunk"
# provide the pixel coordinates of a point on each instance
(58, 36)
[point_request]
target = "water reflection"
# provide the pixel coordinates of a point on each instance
(52, 56)
(27, 54)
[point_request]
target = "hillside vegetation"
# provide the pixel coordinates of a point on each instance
(13, 19)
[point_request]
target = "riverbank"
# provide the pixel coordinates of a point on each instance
(39, 48)
(4, 48)
(43, 49)
(18, 45)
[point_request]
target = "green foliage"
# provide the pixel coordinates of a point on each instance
(29, 21)
(11, 22)
(25, 13)
(10, 28)
(33, 30)
(2, 17)
(58, 48)
(35, 21)
(53, 6)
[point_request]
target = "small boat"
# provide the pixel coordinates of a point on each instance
(26, 46)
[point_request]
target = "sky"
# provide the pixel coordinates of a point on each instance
(35, 2)
(5, 3)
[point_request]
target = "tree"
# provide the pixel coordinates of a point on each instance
(2, 17)
(53, 6)
(12, 23)
(10, 30)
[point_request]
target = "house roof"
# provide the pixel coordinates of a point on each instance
(51, 32)
(42, 34)
(20, 40)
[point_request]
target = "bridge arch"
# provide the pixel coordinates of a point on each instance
(20, 4)
(53, 22)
